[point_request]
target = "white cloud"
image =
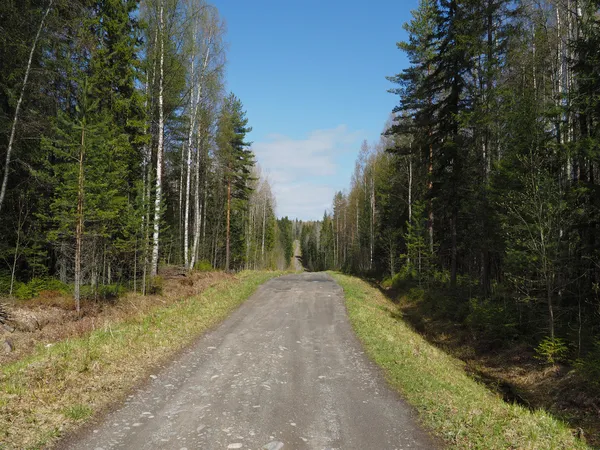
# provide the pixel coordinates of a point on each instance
(304, 200)
(305, 173)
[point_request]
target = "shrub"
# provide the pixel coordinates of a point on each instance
(441, 276)
(5, 282)
(589, 366)
(552, 350)
(403, 281)
(156, 285)
(111, 291)
(22, 291)
(416, 294)
(25, 291)
(203, 266)
(386, 283)
(491, 320)
(102, 292)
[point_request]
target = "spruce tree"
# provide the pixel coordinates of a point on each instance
(236, 159)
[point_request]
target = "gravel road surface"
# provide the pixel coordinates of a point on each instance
(284, 371)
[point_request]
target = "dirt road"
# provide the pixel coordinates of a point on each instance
(296, 258)
(285, 371)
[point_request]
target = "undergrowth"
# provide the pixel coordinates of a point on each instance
(461, 411)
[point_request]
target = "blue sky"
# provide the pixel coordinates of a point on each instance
(311, 75)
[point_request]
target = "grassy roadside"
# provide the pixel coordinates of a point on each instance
(455, 407)
(57, 388)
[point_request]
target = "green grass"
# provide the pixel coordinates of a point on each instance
(58, 387)
(78, 412)
(464, 413)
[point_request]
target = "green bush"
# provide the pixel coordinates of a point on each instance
(441, 276)
(203, 266)
(490, 320)
(416, 294)
(589, 366)
(386, 283)
(552, 350)
(25, 291)
(102, 292)
(404, 280)
(5, 282)
(111, 291)
(156, 285)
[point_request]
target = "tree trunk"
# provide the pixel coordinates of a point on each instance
(262, 246)
(228, 224)
(147, 193)
(194, 105)
(249, 238)
(159, 154)
(188, 166)
(79, 227)
(205, 208)
(430, 192)
(198, 213)
(135, 258)
(454, 249)
(372, 221)
(410, 177)
(550, 307)
(13, 129)
(14, 265)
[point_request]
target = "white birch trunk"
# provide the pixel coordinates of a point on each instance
(148, 177)
(262, 247)
(372, 221)
(13, 129)
(186, 220)
(159, 154)
(194, 105)
(79, 226)
(197, 208)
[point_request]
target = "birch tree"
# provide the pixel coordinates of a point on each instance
(160, 142)
(23, 90)
(206, 63)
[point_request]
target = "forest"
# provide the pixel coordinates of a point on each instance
(122, 151)
(481, 198)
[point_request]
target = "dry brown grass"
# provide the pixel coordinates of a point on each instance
(51, 317)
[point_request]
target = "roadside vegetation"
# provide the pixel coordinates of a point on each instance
(59, 385)
(458, 409)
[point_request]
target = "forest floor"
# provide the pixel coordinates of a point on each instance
(51, 316)
(512, 371)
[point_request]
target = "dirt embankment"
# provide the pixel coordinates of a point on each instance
(513, 371)
(51, 317)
